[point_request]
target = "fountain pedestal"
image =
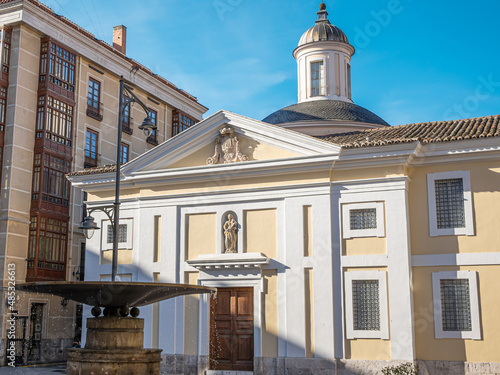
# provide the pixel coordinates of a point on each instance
(114, 346)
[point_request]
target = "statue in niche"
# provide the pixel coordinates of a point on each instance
(230, 234)
(229, 144)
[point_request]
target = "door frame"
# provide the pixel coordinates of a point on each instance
(231, 282)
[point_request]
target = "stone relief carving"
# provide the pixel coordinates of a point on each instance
(227, 148)
(230, 234)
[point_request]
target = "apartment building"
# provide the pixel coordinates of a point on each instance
(59, 105)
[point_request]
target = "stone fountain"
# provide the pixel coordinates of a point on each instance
(115, 340)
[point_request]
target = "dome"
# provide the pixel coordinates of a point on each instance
(323, 30)
(323, 110)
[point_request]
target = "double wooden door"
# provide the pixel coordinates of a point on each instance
(231, 329)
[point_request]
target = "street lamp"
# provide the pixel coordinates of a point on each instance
(113, 212)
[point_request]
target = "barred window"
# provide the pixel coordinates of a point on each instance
(61, 66)
(55, 187)
(122, 233)
(317, 78)
(366, 305)
(450, 211)
(455, 305)
(59, 123)
(363, 219)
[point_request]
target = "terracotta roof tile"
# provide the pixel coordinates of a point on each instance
(425, 132)
(96, 170)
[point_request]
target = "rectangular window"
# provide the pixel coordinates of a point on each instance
(181, 122)
(152, 138)
(366, 305)
(124, 150)
(55, 187)
(126, 119)
(91, 149)
(363, 220)
(58, 121)
(3, 107)
(94, 109)
(6, 52)
(57, 66)
(48, 248)
(317, 78)
(122, 234)
(456, 307)
(450, 203)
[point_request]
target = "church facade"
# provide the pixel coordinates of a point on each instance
(337, 243)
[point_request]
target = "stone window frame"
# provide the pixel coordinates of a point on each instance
(381, 277)
(434, 231)
(347, 232)
(439, 333)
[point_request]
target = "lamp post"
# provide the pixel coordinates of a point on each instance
(113, 212)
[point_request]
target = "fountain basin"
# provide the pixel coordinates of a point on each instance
(115, 341)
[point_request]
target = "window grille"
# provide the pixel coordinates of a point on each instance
(366, 305)
(455, 305)
(450, 211)
(122, 233)
(363, 219)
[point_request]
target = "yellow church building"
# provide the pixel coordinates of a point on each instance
(338, 244)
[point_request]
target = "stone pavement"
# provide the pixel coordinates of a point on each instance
(34, 370)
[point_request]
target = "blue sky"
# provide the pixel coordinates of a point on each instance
(415, 61)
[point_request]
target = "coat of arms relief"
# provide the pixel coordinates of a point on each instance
(227, 148)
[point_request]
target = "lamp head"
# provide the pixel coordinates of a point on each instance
(88, 226)
(148, 126)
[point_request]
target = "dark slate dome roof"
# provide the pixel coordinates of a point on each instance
(323, 30)
(323, 110)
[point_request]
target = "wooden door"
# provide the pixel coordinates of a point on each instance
(231, 329)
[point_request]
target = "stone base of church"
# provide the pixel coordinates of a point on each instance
(198, 365)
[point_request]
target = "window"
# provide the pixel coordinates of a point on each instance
(57, 66)
(6, 52)
(58, 122)
(126, 119)
(366, 305)
(456, 305)
(363, 220)
(124, 153)
(122, 233)
(47, 248)
(317, 78)
(181, 122)
(450, 203)
(55, 186)
(152, 138)
(91, 149)
(3, 107)
(93, 100)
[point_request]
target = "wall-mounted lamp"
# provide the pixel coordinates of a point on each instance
(76, 273)
(64, 302)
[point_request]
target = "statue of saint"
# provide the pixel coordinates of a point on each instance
(230, 234)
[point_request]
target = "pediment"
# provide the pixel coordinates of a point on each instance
(226, 138)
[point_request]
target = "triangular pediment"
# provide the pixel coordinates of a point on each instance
(225, 138)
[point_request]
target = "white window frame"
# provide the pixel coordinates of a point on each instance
(475, 333)
(121, 245)
(351, 333)
(468, 230)
(347, 232)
